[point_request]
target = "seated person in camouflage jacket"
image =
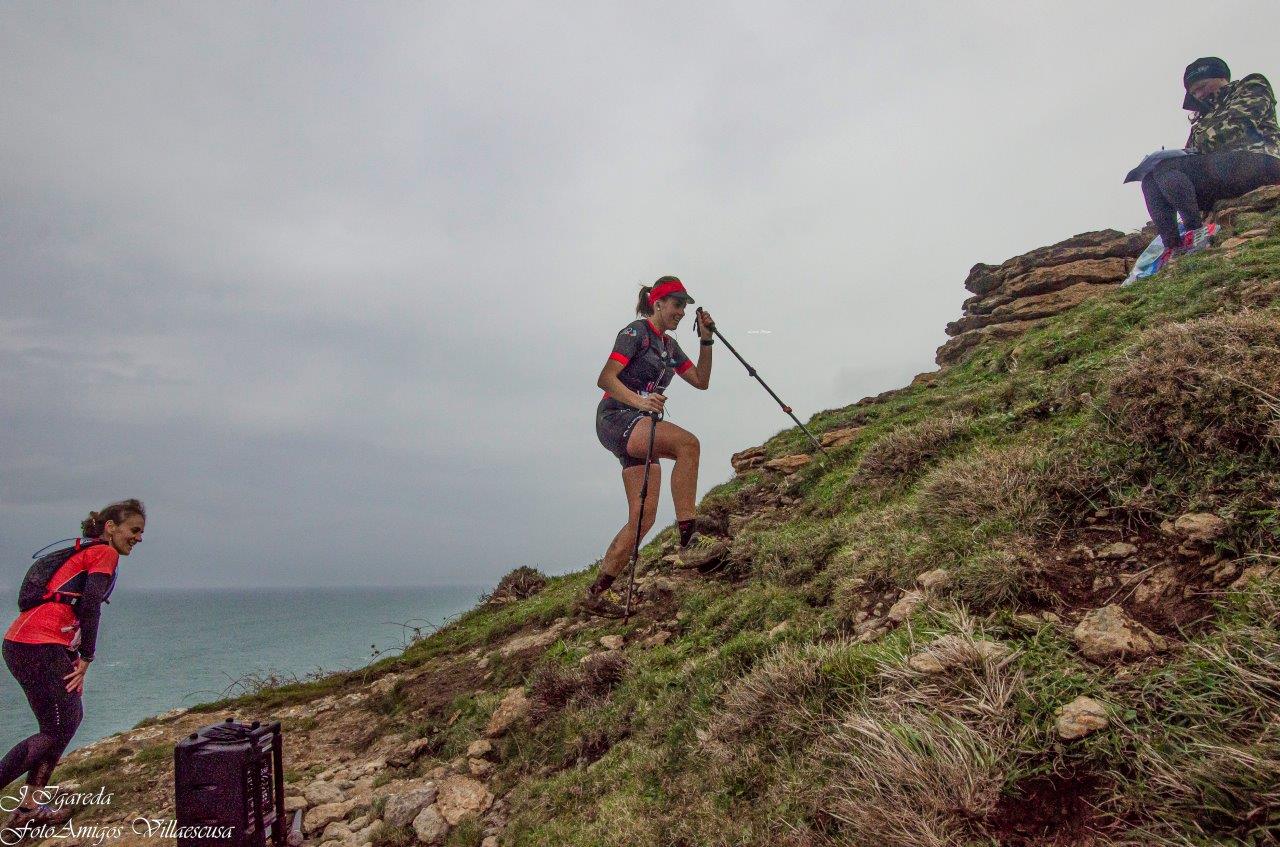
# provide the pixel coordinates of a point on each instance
(1234, 148)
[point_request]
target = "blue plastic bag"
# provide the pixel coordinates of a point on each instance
(1156, 256)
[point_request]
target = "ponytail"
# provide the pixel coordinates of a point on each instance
(96, 524)
(643, 309)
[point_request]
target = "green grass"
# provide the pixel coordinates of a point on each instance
(727, 735)
(1034, 453)
(154, 753)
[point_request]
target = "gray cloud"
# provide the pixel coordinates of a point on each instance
(329, 285)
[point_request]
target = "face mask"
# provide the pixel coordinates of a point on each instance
(1210, 101)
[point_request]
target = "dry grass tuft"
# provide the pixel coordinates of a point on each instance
(385, 835)
(991, 483)
(1202, 386)
(922, 763)
(772, 698)
(602, 671)
(519, 584)
(1216, 767)
(553, 687)
(993, 577)
(913, 781)
(903, 451)
(592, 745)
(790, 554)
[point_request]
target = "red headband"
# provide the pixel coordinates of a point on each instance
(666, 289)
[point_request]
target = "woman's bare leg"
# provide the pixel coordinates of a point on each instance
(619, 552)
(672, 442)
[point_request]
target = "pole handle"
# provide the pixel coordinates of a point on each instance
(697, 326)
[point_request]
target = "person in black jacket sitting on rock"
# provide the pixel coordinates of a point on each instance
(1234, 147)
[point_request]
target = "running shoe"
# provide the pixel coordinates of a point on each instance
(42, 815)
(600, 605)
(1195, 240)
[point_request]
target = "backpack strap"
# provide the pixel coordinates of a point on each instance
(70, 597)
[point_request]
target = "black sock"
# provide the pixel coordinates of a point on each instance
(602, 583)
(686, 531)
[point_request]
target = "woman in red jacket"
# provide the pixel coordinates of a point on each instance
(48, 650)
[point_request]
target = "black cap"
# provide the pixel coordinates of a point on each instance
(1207, 67)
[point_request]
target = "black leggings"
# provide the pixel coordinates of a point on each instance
(39, 669)
(1190, 185)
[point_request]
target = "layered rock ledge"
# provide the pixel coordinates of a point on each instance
(1012, 297)
(1022, 292)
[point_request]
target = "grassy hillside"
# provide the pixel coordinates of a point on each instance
(779, 697)
(1008, 471)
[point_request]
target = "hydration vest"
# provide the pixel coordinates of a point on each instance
(36, 589)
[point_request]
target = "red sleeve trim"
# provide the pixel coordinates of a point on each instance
(618, 357)
(684, 366)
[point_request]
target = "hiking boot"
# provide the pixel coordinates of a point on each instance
(600, 605)
(42, 815)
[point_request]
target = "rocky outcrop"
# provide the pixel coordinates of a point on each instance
(701, 556)
(839, 437)
(788, 465)
(1017, 295)
(319, 817)
(1200, 526)
(430, 826)
(1227, 212)
(905, 607)
(958, 348)
(936, 580)
(401, 809)
(533, 641)
(747, 460)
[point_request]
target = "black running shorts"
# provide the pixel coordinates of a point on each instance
(614, 423)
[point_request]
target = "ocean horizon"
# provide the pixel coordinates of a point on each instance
(164, 648)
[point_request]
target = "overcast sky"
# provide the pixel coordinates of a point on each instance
(328, 285)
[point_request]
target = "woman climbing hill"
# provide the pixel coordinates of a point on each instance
(50, 645)
(643, 362)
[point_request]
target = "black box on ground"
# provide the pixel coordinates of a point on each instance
(228, 784)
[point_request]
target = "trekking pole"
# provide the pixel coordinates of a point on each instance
(644, 495)
(752, 372)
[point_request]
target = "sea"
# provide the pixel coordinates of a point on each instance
(161, 649)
